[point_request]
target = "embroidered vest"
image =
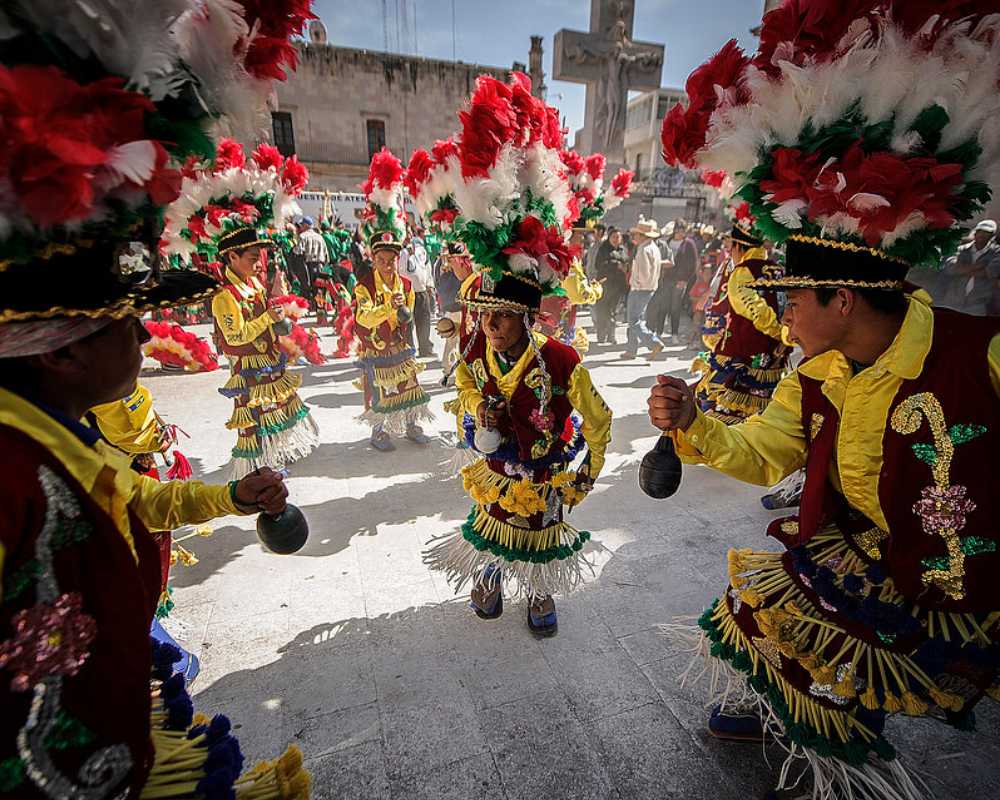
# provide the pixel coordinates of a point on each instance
(560, 361)
(937, 487)
(251, 308)
(382, 336)
(64, 552)
(740, 339)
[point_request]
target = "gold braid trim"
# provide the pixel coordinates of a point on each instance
(850, 247)
(50, 250)
(117, 310)
(492, 305)
(813, 283)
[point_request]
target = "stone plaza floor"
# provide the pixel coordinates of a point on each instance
(354, 650)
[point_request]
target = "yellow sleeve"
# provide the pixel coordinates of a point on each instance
(748, 303)
(596, 427)
(763, 450)
(469, 395)
(235, 329)
(131, 424)
(367, 313)
(993, 356)
(579, 290)
(163, 506)
(411, 298)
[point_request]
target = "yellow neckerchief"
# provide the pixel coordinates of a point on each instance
(384, 293)
(248, 289)
(904, 357)
(130, 424)
(104, 473)
(508, 383)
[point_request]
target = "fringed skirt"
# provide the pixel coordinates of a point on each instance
(516, 527)
(196, 756)
(732, 390)
(273, 425)
(819, 641)
(394, 398)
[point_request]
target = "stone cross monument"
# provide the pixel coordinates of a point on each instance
(610, 64)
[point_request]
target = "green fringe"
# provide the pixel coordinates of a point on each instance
(164, 608)
(854, 752)
(560, 552)
(420, 401)
(281, 427)
(239, 452)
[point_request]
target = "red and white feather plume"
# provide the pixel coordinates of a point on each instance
(173, 346)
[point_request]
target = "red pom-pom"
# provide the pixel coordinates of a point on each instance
(267, 156)
(384, 173)
(573, 161)
(713, 178)
(294, 176)
(621, 184)
(418, 171)
(595, 165)
(229, 155)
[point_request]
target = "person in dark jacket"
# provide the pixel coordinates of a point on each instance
(674, 283)
(611, 268)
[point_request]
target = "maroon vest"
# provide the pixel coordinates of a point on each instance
(251, 309)
(741, 340)
(560, 361)
(937, 487)
(109, 695)
(384, 331)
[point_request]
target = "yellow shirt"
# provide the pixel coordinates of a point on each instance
(579, 290)
(235, 329)
(771, 445)
(748, 303)
(130, 424)
(373, 311)
(106, 475)
(596, 425)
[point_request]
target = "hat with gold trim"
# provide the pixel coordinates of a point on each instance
(100, 104)
(862, 135)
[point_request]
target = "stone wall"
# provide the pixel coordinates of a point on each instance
(337, 89)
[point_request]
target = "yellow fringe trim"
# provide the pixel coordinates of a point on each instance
(391, 377)
(257, 361)
(794, 628)
(241, 418)
(275, 392)
(236, 381)
(250, 442)
(515, 538)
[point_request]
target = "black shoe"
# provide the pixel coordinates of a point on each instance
(735, 727)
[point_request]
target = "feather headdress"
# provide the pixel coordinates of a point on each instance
(514, 200)
(384, 215)
(232, 193)
(431, 179)
(868, 123)
(586, 180)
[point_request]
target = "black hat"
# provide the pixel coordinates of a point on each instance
(742, 236)
(512, 291)
(240, 238)
(812, 263)
(97, 279)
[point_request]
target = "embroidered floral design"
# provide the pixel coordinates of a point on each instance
(48, 640)
(943, 507)
(815, 425)
(542, 422)
(479, 372)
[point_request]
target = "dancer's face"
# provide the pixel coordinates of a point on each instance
(385, 262)
(504, 329)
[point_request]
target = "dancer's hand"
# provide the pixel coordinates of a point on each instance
(277, 313)
(264, 489)
(398, 301)
(490, 417)
(671, 404)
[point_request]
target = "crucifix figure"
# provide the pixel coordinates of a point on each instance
(610, 63)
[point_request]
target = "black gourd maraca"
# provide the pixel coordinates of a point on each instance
(283, 533)
(660, 470)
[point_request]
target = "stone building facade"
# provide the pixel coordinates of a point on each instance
(343, 104)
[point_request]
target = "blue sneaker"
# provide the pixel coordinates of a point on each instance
(188, 666)
(735, 727)
(542, 619)
(382, 443)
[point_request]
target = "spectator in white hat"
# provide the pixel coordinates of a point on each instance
(973, 273)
